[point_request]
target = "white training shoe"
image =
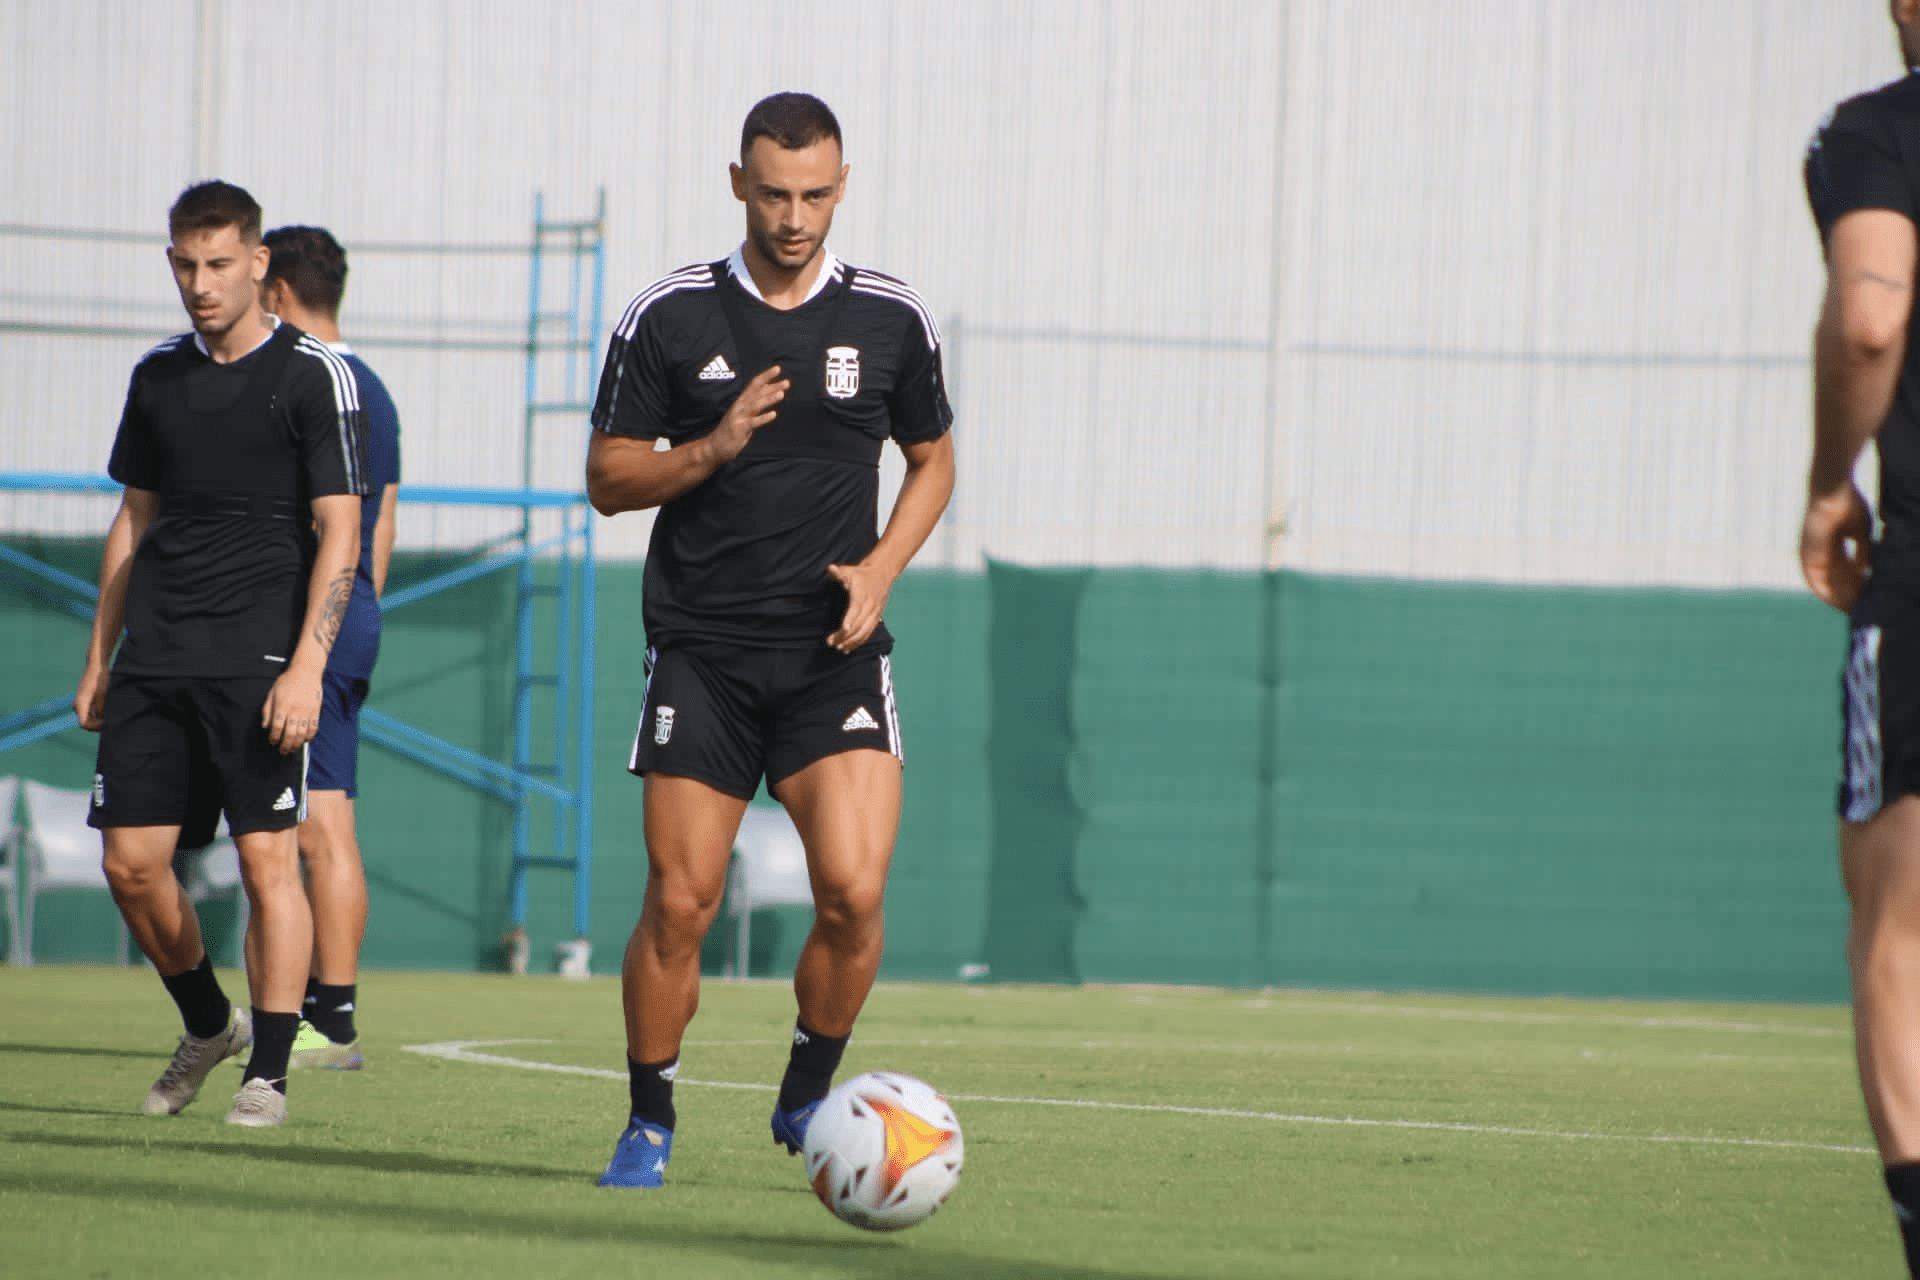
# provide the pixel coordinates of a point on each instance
(258, 1105)
(195, 1057)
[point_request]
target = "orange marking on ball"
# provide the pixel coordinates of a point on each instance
(909, 1141)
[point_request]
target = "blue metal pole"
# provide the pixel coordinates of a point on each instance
(563, 680)
(583, 806)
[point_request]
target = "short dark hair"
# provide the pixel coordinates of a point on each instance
(309, 261)
(209, 206)
(793, 120)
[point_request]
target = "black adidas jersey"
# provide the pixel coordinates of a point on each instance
(742, 557)
(1864, 157)
(236, 452)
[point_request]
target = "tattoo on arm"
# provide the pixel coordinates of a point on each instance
(334, 611)
(1874, 277)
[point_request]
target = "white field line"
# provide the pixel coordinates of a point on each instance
(465, 1051)
(1676, 1023)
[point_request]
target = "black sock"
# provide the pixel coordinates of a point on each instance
(272, 1046)
(204, 1007)
(1903, 1184)
(650, 1090)
(810, 1067)
(330, 1010)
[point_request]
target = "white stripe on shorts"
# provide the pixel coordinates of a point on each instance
(895, 743)
(1863, 763)
(306, 762)
(633, 756)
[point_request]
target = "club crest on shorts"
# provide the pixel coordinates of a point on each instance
(662, 725)
(843, 372)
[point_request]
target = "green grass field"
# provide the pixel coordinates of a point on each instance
(1110, 1133)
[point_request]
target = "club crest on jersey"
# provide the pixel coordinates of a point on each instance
(843, 372)
(663, 725)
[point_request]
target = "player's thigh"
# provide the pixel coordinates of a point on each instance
(689, 829)
(834, 761)
(145, 760)
(700, 720)
(846, 807)
(333, 755)
(261, 787)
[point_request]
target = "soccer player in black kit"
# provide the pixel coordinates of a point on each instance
(229, 563)
(774, 377)
(1864, 187)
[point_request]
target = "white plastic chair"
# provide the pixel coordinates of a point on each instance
(62, 852)
(10, 863)
(769, 870)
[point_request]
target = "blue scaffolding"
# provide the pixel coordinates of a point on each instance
(554, 577)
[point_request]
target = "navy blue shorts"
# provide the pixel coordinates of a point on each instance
(332, 755)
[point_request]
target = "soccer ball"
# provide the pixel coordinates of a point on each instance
(883, 1151)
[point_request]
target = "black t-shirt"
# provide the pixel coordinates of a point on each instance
(1867, 156)
(236, 453)
(742, 557)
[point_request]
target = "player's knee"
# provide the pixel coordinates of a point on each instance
(682, 906)
(131, 878)
(1883, 950)
(850, 909)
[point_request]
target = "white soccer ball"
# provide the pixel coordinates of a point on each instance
(884, 1151)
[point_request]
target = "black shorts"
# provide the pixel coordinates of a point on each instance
(1880, 709)
(171, 749)
(726, 715)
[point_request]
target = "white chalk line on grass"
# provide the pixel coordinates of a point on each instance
(1658, 1022)
(466, 1051)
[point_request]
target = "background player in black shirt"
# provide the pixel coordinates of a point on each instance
(1864, 187)
(774, 377)
(229, 563)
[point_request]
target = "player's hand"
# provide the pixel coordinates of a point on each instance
(1836, 547)
(291, 714)
(751, 410)
(867, 591)
(90, 702)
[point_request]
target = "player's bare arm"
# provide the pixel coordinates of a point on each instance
(923, 496)
(291, 714)
(384, 527)
(626, 474)
(1859, 344)
(137, 510)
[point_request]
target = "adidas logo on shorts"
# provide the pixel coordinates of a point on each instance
(860, 719)
(717, 370)
(285, 802)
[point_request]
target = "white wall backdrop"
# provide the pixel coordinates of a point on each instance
(1496, 289)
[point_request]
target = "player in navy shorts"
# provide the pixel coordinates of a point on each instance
(306, 279)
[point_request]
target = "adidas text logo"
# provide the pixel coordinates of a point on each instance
(860, 719)
(717, 370)
(285, 802)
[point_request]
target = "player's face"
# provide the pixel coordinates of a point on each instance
(790, 198)
(218, 274)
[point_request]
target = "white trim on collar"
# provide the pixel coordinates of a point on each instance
(829, 272)
(201, 342)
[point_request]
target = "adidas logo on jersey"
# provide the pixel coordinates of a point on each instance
(860, 719)
(285, 802)
(717, 370)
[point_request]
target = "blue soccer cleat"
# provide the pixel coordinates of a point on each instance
(640, 1157)
(790, 1127)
